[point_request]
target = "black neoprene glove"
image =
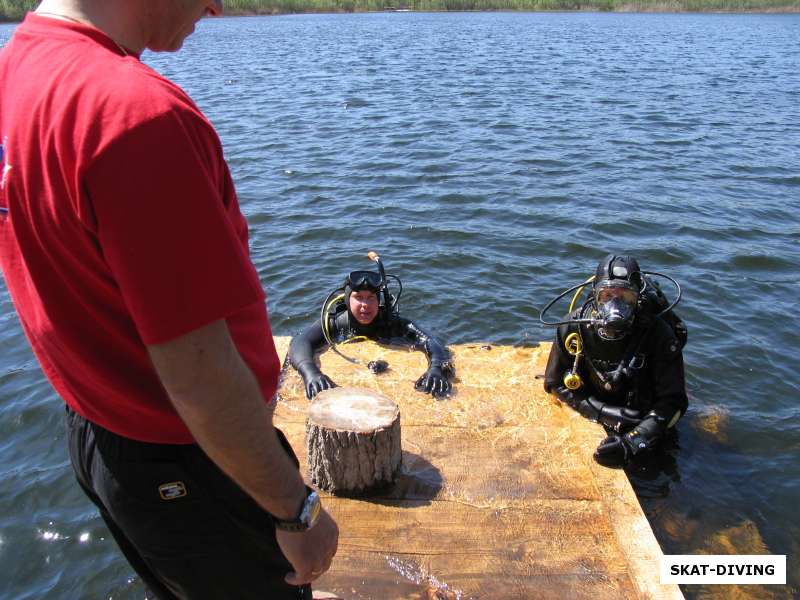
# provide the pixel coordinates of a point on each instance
(614, 451)
(617, 418)
(314, 379)
(567, 396)
(433, 382)
(617, 450)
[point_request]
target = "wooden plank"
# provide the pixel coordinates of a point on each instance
(498, 496)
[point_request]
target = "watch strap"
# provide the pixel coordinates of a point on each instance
(306, 518)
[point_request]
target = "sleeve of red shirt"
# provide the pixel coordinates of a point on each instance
(169, 226)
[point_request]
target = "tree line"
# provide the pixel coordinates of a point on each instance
(14, 10)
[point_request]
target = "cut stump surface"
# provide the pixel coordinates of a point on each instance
(353, 440)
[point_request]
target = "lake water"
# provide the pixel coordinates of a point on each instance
(493, 159)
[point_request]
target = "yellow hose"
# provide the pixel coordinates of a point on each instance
(578, 294)
(325, 329)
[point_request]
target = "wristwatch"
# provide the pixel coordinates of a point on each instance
(308, 517)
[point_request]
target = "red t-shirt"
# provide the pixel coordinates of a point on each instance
(119, 226)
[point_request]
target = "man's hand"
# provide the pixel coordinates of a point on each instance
(433, 382)
(310, 552)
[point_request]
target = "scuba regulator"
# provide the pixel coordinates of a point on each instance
(574, 346)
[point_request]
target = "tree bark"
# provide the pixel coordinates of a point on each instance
(353, 438)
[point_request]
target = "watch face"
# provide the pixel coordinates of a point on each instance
(313, 508)
(309, 515)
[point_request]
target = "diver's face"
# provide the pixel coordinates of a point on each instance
(616, 307)
(364, 306)
(608, 294)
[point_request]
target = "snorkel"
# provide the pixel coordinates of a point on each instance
(373, 256)
(383, 290)
(390, 304)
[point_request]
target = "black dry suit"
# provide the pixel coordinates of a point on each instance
(387, 328)
(634, 385)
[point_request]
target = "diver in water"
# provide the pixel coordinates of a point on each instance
(364, 308)
(618, 359)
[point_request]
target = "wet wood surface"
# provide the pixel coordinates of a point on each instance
(497, 497)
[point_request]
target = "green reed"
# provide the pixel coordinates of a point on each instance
(14, 10)
(295, 6)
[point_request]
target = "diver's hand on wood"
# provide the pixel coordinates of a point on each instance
(614, 451)
(317, 384)
(433, 382)
(315, 380)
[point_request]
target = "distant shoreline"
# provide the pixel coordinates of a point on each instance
(252, 9)
(654, 10)
(597, 6)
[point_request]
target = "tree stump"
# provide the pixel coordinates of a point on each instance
(353, 438)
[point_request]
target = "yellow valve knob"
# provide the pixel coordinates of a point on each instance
(572, 381)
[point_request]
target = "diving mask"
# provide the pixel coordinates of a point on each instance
(615, 301)
(365, 280)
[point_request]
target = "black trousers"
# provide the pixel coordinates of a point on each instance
(185, 527)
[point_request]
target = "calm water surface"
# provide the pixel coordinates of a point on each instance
(493, 159)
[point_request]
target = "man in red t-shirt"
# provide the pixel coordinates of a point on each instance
(126, 256)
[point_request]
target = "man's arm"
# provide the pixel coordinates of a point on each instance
(670, 402)
(437, 354)
(219, 399)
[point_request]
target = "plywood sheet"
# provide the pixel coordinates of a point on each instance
(498, 496)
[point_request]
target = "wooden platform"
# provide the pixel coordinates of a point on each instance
(498, 496)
